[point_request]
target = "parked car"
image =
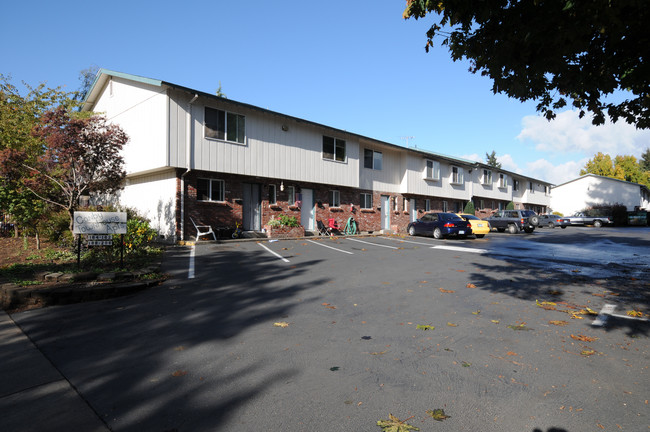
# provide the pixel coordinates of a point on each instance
(552, 221)
(440, 225)
(584, 219)
(514, 221)
(479, 226)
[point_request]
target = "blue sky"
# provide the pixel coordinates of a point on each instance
(353, 65)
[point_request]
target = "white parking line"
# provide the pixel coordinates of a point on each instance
(460, 249)
(277, 255)
(330, 247)
(190, 271)
(373, 244)
(607, 311)
(405, 241)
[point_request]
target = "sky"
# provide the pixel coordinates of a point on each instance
(352, 65)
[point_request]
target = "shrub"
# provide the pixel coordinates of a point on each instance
(469, 208)
(289, 221)
(510, 206)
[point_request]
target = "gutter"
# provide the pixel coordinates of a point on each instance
(188, 161)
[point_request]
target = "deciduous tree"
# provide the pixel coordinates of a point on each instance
(552, 51)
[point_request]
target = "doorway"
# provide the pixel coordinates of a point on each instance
(252, 207)
(307, 209)
(385, 212)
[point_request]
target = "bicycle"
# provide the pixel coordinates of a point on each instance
(238, 231)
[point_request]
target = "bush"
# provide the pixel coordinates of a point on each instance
(510, 206)
(469, 208)
(289, 221)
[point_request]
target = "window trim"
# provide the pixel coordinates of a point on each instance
(227, 119)
(435, 170)
(366, 198)
(503, 181)
(273, 194)
(427, 205)
(337, 143)
(291, 195)
(373, 159)
(460, 178)
(486, 179)
(221, 189)
(334, 199)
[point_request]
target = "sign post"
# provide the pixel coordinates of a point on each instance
(100, 227)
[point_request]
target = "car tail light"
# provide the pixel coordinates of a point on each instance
(522, 222)
(449, 225)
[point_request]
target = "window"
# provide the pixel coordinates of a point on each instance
(427, 205)
(432, 170)
(335, 198)
(224, 125)
(487, 177)
(459, 207)
(530, 187)
(291, 195)
(210, 190)
(405, 204)
(333, 149)
(366, 201)
(515, 185)
(273, 196)
(444, 206)
(456, 175)
(503, 181)
(372, 159)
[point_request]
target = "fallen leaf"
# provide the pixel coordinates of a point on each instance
(282, 324)
(179, 373)
(558, 323)
(334, 368)
(452, 324)
(378, 353)
(179, 348)
(325, 304)
(424, 327)
(495, 321)
(587, 352)
(477, 312)
(518, 327)
(438, 414)
(442, 290)
(635, 313)
(470, 285)
(466, 364)
(511, 353)
(393, 424)
(583, 338)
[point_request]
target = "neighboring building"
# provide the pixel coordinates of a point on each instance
(218, 161)
(592, 190)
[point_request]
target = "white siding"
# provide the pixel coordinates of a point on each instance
(154, 196)
(389, 178)
(418, 185)
(141, 111)
(269, 151)
(491, 191)
(590, 191)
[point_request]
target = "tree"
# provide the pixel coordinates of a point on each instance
(469, 208)
(81, 156)
(645, 160)
(510, 206)
(492, 161)
(220, 93)
(552, 51)
(87, 78)
(601, 164)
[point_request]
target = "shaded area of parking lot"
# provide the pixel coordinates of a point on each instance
(384, 325)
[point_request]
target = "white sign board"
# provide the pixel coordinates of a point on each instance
(99, 223)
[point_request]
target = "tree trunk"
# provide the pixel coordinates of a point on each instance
(38, 241)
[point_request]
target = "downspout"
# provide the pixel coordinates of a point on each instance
(188, 160)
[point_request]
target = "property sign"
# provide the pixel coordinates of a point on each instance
(100, 240)
(99, 223)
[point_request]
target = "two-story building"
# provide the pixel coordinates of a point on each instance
(193, 156)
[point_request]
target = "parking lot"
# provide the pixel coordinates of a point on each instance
(324, 334)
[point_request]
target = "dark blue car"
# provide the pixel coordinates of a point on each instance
(440, 225)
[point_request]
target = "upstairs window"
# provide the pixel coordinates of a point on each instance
(515, 185)
(210, 190)
(530, 187)
(333, 149)
(372, 159)
(456, 175)
(432, 170)
(487, 177)
(224, 125)
(503, 181)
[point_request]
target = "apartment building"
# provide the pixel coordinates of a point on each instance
(193, 156)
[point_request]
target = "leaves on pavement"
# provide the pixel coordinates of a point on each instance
(442, 290)
(470, 285)
(559, 323)
(282, 324)
(519, 327)
(393, 424)
(635, 313)
(179, 373)
(438, 414)
(584, 338)
(425, 327)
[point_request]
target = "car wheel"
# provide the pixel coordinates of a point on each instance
(437, 234)
(534, 220)
(512, 229)
(480, 235)
(598, 223)
(563, 227)
(529, 230)
(411, 230)
(501, 229)
(550, 225)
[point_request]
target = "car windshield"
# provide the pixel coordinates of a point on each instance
(527, 213)
(449, 216)
(470, 217)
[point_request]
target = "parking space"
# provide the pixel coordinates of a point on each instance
(324, 334)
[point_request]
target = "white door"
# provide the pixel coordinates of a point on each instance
(413, 210)
(307, 209)
(385, 212)
(251, 211)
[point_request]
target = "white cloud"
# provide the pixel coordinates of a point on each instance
(556, 174)
(568, 134)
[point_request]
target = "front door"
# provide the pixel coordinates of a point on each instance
(413, 210)
(252, 207)
(385, 212)
(307, 209)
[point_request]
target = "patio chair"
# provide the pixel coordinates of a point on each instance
(202, 230)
